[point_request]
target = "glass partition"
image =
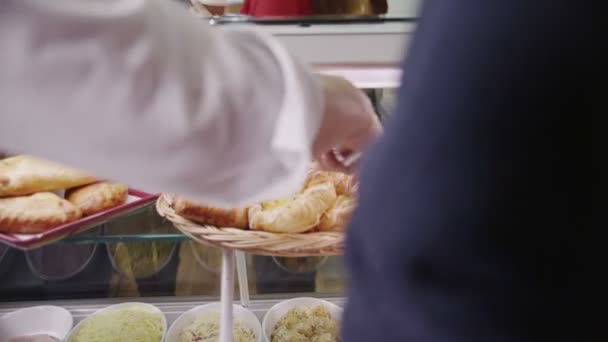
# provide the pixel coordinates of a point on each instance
(142, 255)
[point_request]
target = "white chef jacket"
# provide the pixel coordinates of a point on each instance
(142, 92)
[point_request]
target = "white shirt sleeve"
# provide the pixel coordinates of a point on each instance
(142, 92)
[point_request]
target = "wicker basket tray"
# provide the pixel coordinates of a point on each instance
(252, 241)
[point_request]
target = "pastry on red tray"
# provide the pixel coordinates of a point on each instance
(35, 213)
(26, 175)
(97, 197)
(338, 216)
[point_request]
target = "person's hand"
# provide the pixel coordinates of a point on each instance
(203, 10)
(349, 124)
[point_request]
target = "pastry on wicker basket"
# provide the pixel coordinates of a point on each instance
(94, 198)
(344, 184)
(235, 218)
(338, 216)
(25, 175)
(253, 241)
(299, 214)
(36, 213)
(277, 227)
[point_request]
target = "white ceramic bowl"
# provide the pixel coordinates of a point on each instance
(51, 320)
(279, 310)
(239, 312)
(143, 306)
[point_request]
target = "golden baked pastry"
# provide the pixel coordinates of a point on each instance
(25, 175)
(35, 213)
(94, 198)
(344, 184)
(298, 214)
(338, 216)
(233, 218)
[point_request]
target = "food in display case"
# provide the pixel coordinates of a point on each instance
(26, 175)
(338, 216)
(140, 267)
(141, 259)
(306, 324)
(209, 258)
(93, 198)
(298, 214)
(236, 218)
(35, 213)
(30, 201)
(303, 319)
(127, 322)
(198, 270)
(206, 328)
(202, 324)
(300, 265)
(324, 203)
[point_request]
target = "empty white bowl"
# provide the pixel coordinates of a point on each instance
(245, 316)
(142, 306)
(38, 320)
(279, 310)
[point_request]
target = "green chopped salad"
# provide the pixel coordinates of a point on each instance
(121, 325)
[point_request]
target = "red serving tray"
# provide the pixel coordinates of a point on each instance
(137, 199)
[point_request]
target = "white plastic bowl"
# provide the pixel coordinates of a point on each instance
(143, 306)
(239, 312)
(280, 309)
(50, 320)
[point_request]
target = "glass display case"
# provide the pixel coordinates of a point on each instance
(142, 257)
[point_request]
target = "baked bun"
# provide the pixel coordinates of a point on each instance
(94, 198)
(344, 184)
(338, 216)
(25, 175)
(35, 213)
(298, 214)
(233, 218)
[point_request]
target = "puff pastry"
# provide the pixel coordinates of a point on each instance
(25, 175)
(233, 218)
(36, 213)
(338, 216)
(94, 198)
(344, 184)
(298, 214)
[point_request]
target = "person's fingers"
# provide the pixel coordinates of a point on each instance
(349, 124)
(329, 162)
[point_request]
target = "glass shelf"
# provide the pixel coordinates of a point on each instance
(143, 225)
(178, 237)
(141, 255)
